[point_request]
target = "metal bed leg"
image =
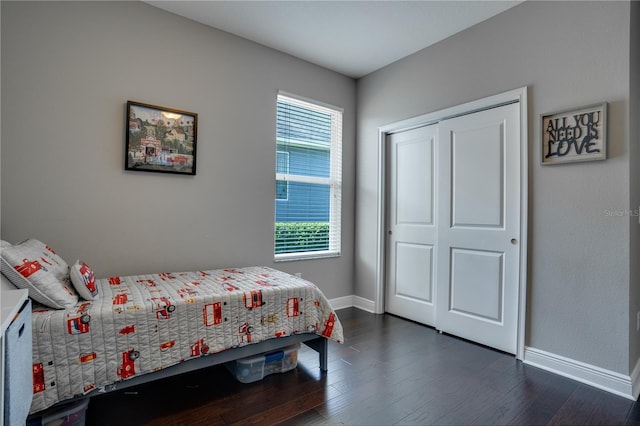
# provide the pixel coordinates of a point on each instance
(320, 345)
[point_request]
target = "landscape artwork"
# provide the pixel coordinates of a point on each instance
(160, 139)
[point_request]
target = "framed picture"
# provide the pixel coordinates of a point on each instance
(160, 139)
(575, 135)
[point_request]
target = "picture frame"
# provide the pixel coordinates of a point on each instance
(574, 135)
(160, 139)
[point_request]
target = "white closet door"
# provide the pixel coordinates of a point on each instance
(478, 240)
(411, 225)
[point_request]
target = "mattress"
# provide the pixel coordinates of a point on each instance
(142, 324)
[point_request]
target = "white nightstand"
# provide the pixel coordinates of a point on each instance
(15, 354)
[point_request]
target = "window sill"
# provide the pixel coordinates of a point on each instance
(287, 257)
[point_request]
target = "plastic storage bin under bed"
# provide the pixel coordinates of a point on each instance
(255, 368)
(69, 414)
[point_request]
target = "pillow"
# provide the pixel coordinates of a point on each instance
(5, 284)
(84, 280)
(35, 266)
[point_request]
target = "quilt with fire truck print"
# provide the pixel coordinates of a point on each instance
(142, 324)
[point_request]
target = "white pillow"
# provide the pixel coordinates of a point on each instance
(33, 265)
(84, 280)
(5, 284)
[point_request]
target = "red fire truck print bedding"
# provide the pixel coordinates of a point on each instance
(142, 324)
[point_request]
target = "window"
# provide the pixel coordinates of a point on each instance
(308, 179)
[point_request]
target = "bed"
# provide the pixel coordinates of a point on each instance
(146, 327)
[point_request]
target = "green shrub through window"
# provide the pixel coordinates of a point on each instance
(293, 237)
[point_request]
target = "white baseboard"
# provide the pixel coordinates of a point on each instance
(364, 304)
(635, 380)
(353, 301)
(591, 375)
(342, 302)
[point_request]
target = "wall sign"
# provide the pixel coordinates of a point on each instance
(575, 135)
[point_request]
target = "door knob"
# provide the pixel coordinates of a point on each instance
(514, 241)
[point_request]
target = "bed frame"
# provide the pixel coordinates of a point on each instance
(74, 387)
(312, 340)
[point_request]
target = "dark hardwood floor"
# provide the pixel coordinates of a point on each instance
(389, 371)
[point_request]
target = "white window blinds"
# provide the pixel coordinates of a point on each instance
(308, 179)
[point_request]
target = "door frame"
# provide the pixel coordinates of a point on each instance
(517, 95)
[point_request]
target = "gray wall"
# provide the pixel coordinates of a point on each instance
(68, 69)
(569, 54)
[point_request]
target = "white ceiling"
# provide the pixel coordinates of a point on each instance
(351, 37)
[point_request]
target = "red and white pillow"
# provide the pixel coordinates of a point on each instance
(35, 266)
(84, 280)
